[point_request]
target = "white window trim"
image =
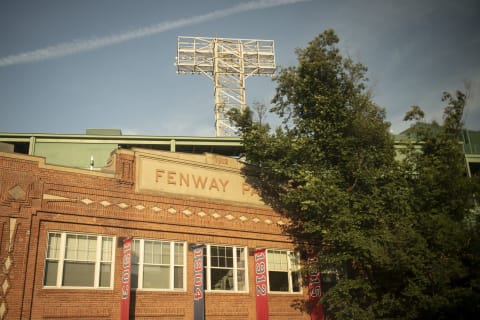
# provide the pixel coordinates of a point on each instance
(61, 261)
(171, 266)
(208, 267)
(289, 268)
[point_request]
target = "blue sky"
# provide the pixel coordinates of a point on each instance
(68, 65)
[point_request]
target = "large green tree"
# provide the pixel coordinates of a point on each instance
(442, 198)
(330, 168)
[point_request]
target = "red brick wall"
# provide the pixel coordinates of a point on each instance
(45, 198)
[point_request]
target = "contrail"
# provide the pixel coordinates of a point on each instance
(77, 46)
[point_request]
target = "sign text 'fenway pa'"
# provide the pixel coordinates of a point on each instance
(187, 178)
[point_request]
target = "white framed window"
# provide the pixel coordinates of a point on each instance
(79, 260)
(225, 268)
(158, 265)
(283, 271)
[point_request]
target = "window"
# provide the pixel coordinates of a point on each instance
(78, 260)
(329, 280)
(283, 271)
(158, 264)
(225, 268)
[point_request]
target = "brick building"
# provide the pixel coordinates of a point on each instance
(62, 230)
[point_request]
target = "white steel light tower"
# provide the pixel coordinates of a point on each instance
(228, 62)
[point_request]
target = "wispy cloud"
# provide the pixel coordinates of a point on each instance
(78, 46)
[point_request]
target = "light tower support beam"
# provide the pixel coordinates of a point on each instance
(228, 62)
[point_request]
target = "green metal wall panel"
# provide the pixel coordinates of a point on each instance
(76, 155)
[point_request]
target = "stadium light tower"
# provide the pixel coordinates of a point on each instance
(228, 62)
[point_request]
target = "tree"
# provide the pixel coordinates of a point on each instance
(330, 168)
(442, 199)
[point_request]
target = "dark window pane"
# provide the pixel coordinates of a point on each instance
(296, 281)
(213, 251)
(221, 279)
(134, 276)
(329, 280)
(229, 262)
(205, 278)
(221, 251)
(278, 281)
(215, 262)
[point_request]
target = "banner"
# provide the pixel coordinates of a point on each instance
(198, 284)
(261, 284)
(314, 288)
(126, 275)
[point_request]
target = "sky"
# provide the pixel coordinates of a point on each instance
(69, 65)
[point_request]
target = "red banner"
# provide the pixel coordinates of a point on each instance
(126, 275)
(261, 284)
(314, 288)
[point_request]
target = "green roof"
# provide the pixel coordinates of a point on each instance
(471, 141)
(82, 150)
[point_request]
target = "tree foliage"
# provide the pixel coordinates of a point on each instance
(394, 232)
(442, 199)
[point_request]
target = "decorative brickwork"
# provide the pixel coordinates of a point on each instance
(7, 257)
(38, 199)
(124, 172)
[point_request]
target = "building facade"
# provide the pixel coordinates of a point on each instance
(62, 230)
